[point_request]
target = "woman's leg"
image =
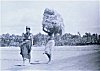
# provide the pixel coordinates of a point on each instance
(23, 61)
(29, 60)
(29, 53)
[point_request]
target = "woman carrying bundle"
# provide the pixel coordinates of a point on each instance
(50, 44)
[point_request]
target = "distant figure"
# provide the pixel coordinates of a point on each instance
(26, 45)
(49, 44)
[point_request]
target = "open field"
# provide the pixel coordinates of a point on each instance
(66, 58)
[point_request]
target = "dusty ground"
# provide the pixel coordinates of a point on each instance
(66, 58)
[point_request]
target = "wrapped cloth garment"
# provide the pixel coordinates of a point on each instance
(50, 44)
(26, 48)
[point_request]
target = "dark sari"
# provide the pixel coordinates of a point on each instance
(26, 47)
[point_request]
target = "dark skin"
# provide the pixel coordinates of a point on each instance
(50, 33)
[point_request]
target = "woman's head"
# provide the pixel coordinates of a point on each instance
(50, 34)
(28, 29)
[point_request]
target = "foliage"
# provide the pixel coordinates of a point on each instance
(41, 39)
(53, 20)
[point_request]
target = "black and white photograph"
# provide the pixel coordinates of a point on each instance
(49, 35)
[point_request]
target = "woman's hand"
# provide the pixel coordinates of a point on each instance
(21, 44)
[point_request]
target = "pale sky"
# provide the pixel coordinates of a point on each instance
(78, 16)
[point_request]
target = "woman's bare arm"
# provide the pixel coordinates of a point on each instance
(45, 30)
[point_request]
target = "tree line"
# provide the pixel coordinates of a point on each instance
(41, 39)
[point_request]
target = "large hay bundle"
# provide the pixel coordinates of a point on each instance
(53, 20)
